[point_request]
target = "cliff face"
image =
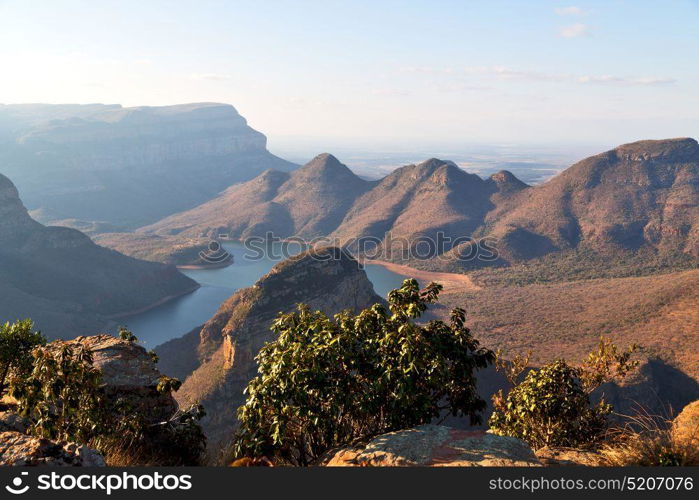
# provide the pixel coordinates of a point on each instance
(66, 283)
(149, 135)
(327, 280)
(129, 166)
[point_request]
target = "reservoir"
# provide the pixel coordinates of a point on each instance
(177, 317)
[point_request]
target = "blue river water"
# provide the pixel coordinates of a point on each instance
(177, 317)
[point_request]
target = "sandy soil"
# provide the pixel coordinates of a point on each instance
(452, 282)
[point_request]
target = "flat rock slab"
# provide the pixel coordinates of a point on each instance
(568, 456)
(18, 449)
(438, 446)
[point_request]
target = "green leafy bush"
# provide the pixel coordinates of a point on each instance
(17, 340)
(551, 406)
(326, 382)
(63, 396)
(126, 334)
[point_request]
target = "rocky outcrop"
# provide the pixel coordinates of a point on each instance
(131, 166)
(437, 446)
(327, 280)
(63, 281)
(129, 373)
(10, 421)
(685, 427)
(18, 449)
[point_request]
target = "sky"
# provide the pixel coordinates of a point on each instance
(373, 72)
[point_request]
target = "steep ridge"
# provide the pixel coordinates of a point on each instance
(63, 281)
(306, 203)
(223, 350)
(423, 200)
(639, 195)
(638, 202)
(324, 198)
(128, 166)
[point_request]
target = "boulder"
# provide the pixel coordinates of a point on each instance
(10, 421)
(438, 446)
(685, 427)
(22, 450)
(129, 373)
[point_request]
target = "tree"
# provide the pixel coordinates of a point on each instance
(17, 340)
(326, 382)
(551, 406)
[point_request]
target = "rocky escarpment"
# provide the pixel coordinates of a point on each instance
(63, 281)
(130, 166)
(327, 280)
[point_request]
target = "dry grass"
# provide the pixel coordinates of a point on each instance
(566, 319)
(650, 441)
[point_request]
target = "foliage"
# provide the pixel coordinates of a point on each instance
(326, 382)
(64, 398)
(583, 263)
(17, 340)
(551, 406)
(168, 384)
(126, 334)
(62, 395)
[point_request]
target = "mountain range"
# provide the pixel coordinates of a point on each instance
(67, 284)
(639, 200)
(126, 167)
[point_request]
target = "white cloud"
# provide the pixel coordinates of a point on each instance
(217, 77)
(574, 30)
(389, 91)
(634, 81)
(569, 11)
(513, 74)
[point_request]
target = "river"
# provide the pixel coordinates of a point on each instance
(177, 317)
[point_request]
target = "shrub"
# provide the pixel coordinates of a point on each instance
(17, 340)
(551, 406)
(62, 395)
(126, 334)
(64, 399)
(326, 382)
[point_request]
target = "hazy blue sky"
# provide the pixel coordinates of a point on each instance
(415, 71)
